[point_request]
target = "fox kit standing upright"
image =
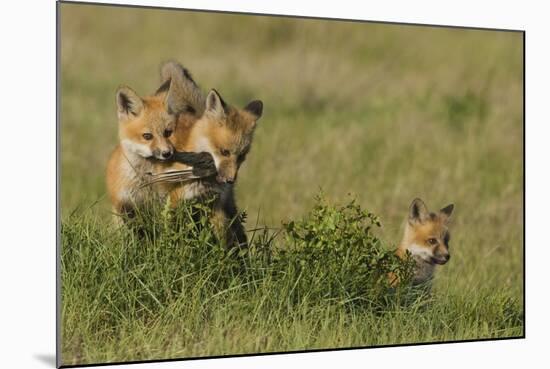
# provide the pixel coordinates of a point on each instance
(226, 133)
(145, 126)
(426, 239)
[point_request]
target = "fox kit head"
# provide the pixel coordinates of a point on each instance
(226, 133)
(426, 234)
(146, 124)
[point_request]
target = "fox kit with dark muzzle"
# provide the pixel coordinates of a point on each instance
(226, 133)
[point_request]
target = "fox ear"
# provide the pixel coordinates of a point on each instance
(255, 107)
(447, 211)
(178, 77)
(418, 212)
(215, 104)
(128, 103)
(168, 70)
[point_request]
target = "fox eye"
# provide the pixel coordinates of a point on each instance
(148, 136)
(167, 132)
(432, 241)
(225, 152)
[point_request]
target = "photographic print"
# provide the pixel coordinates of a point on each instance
(238, 184)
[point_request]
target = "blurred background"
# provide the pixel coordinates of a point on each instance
(383, 112)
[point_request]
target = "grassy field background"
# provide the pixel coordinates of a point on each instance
(384, 112)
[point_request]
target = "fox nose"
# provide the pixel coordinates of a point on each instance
(225, 180)
(166, 154)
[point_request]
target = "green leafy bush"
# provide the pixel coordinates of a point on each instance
(334, 255)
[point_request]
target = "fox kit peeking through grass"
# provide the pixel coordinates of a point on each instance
(225, 132)
(426, 239)
(145, 127)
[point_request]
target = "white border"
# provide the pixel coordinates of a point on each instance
(27, 204)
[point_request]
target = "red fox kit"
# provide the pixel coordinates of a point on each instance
(426, 238)
(225, 132)
(145, 127)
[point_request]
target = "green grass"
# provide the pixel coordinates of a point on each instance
(384, 112)
(164, 287)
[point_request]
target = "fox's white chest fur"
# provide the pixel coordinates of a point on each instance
(133, 175)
